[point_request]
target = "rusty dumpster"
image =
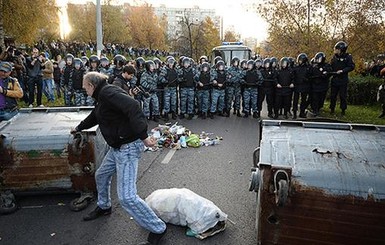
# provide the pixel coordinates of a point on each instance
(319, 183)
(39, 155)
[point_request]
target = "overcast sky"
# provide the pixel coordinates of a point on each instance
(244, 19)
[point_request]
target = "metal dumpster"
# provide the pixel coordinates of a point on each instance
(39, 155)
(319, 183)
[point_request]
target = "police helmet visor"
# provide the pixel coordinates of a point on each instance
(284, 64)
(205, 68)
(258, 63)
(105, 62)
(186, 63)
(250, 66)
(69, 61)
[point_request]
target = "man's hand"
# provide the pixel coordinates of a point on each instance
(291, 85)
(1, 90)
(279, 85)
(339, 71)
(73, 131)
(200, 84)
(149, 141)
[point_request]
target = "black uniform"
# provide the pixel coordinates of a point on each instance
(283, 96)
(339, 83)
(320, 86)
(302, 88)
(267, 90)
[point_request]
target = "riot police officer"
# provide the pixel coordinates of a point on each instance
(149, 82)
(186, 76)
(342, 63)
(168, 77)
(302, 85)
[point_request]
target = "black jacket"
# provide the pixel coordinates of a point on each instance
(345, 63)
(301, 78)
(119, 116)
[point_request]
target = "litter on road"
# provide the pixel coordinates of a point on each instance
(177, 137)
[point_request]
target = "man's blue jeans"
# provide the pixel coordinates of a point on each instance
(7, 114)
(124, 161)
(48, 89)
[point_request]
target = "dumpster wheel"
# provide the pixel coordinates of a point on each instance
(7, 203)
(80, 203)
(282, 194)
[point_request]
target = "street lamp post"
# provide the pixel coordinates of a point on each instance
(99, 32)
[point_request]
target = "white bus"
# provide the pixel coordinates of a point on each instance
(228, 50)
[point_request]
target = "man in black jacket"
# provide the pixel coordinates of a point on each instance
(124, 127)
(342, 63)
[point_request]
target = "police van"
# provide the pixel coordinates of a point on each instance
(228, 50)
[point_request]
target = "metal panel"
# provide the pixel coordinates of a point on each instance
(37, 153)
(337, 184)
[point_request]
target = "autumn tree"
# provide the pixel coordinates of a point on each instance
(297, 26)
(231, 36)
(211, 36)
(145, 28)
(82, 19)
(28, 21)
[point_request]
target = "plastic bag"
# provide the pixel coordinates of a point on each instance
(193, 141)
(186, 208)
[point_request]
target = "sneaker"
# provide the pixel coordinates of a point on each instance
(154, 238)
(41, 105)
(98, 212)
(30, 106)
(174, 117)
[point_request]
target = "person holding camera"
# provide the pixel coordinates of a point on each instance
(34, 71)
(9, 91)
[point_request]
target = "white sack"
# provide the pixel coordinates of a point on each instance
(186, 208)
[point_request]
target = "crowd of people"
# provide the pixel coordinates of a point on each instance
(185, 88)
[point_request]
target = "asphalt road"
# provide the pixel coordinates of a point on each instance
(219, 173)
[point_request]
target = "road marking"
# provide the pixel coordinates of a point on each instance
(168, 157)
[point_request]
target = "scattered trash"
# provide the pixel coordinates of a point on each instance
(61, 204)
(53, 234)
(177, 137)
(186, 208)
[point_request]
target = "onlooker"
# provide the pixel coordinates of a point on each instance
(48, 79)
(9, 91)
(34, 63)
(56, 78)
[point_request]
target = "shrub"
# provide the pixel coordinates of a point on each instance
(362, 90)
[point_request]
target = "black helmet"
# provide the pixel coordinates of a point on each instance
(243, 63)
(216, 59)
(284, 62)
(320, 58)
(79, 62)
(94, 59)
(140, 63)
(203, 58)
(205, 65)
(250, 64)
(258, 63)
(85, 60)
(119, 60)
(235, 61)
(180, 61)
(273, 62)
(342, 46)
(186, 61)
(291, 62)
(302, 59)
(158, 63)
(171, 61)
(70, 57)
(220, 65)
(150, 64)
(266, 63)
(104, 61)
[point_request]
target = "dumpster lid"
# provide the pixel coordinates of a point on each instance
(338, 158)
(42, 128)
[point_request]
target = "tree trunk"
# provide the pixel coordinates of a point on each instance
(2, 44)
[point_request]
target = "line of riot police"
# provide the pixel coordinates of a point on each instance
(185, 89)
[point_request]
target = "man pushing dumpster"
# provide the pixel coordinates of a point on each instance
(124, 127)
